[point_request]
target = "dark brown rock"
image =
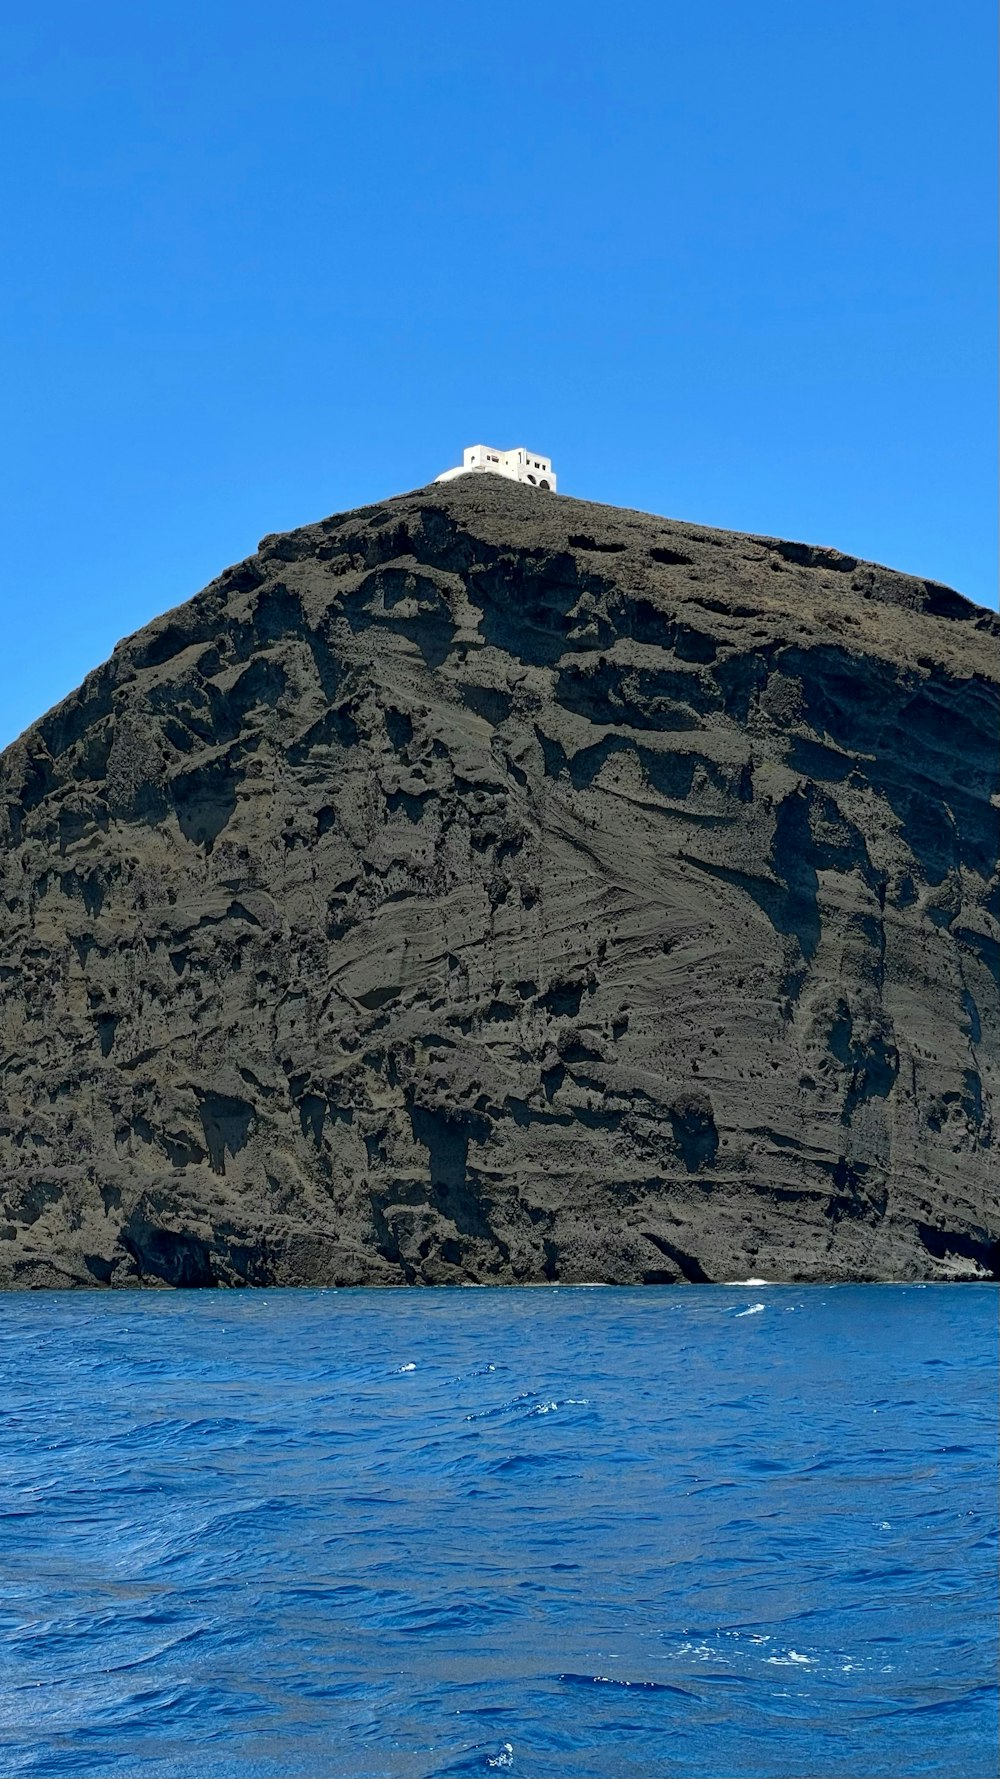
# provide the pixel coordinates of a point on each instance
(492, 886)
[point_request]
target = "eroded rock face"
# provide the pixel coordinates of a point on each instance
(489, 886)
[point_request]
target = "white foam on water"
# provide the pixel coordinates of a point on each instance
(504, 1759)
(754, 1310)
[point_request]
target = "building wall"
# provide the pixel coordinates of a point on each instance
(519, 465)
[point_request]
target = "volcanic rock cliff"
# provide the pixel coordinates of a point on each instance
(495, 886)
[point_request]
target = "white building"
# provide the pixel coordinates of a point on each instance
(517, 466)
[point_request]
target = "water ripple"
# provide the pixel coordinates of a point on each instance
(533, 1533)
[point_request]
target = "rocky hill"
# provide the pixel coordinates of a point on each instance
(495, 886)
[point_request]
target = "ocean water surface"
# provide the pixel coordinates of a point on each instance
(713, 1532)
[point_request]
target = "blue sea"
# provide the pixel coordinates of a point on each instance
(714, 1532)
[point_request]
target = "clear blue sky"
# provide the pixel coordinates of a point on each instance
(727, 261)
